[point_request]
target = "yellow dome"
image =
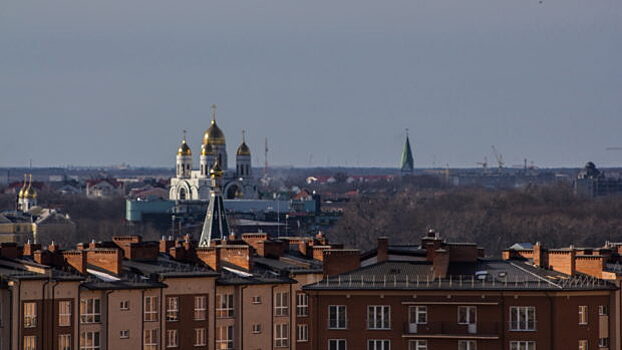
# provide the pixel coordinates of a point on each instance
(22, 190)
(184, 149)
(216, 171)
(30, 193)
(213, 135)
(207, 150)
(243, 150)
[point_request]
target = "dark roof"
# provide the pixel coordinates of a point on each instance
(166, 267)
(233, 275)
(481, 275)
(300, 266)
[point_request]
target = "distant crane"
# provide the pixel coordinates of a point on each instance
(484, 164)
(498, 157)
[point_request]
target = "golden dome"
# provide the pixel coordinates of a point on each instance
(207, 150)
(213, 135)
(22, 190)
(184, 149)
(216, 171)
(243, 150)
(30, 193)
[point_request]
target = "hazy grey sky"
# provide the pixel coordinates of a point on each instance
(110, 81)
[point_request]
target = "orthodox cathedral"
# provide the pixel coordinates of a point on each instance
(193, 184)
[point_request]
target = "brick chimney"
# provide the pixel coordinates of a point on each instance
(382, 251)
(9, 250)
(104, 258)
(537, 255)
(166, 244)
(210, 256)
(75, 259)
(440, 263)
(53, 247)
(338, 261)
(30, 248)
(238, 255)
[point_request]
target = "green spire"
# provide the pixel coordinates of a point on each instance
(407, 163)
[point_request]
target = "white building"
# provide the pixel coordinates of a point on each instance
(194, 184)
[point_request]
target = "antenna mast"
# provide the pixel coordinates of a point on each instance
(265, 165)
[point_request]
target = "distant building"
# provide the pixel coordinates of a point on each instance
(31, 222)
(191, 184)
(104, 189)
(592, 182)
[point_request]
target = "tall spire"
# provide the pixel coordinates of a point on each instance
(215, 225)
(213, 114)
(407, 162)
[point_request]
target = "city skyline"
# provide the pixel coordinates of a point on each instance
(327, 84)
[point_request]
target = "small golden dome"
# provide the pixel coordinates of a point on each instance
(184, 150)
(22, 190)
(30, 193)
(243, 150)
(216, 171)
(207, 150)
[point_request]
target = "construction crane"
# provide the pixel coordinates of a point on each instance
(498, 157)
(484, 164)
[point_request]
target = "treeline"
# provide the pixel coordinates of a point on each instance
(493, 219)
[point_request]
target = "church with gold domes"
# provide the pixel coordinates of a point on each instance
(194, 184)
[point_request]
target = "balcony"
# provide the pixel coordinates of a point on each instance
(448, 330)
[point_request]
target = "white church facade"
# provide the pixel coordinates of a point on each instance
(194, 184)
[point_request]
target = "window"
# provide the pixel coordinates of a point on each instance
(150, 339)
(89, 341)
(467, 345)
(302, 305)
(281, 335)
(522, 345)
(64, 313)
(256, 300)
(378, 317)
(151, 308)
(64, 342)
(582, 344)
(418, 314)
(256, 328)
(30, 316)
(124, 334)
(337, 317)
(376, 344)
(224, 337)
(583, 314)
(200, 338)
(337, 344)
(224, 305)
(124, 305)
(603, 310)
(172, 338)
(523, 318)
(200, 307)
(172, 308)
(467, 315)
(603, 342)
(90, 311)
(30, 342)
(302, 331)
(281, 304)
(418, 345)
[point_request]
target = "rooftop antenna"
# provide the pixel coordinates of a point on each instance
(265, 164)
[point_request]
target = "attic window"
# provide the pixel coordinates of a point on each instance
(502, 274)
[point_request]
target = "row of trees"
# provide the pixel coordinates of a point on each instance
(493, 219)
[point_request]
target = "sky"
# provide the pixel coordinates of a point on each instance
(89, 83)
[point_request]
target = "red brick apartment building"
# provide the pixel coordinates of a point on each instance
(440, 295)
(172, 294)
